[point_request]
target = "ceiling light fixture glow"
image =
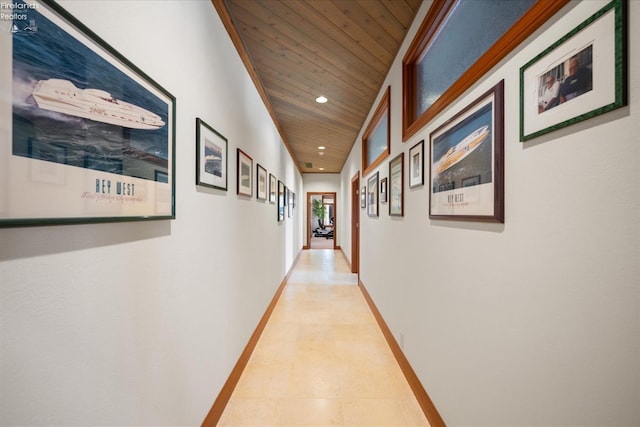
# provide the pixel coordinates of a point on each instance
(321, 99)
(322, 147)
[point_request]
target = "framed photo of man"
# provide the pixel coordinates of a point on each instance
(580, 76)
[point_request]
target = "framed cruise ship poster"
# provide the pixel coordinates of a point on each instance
(85, 136)
(466, 167)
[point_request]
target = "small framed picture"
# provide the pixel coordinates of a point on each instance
(580, 76)
(273, 188)
(363, 197)
(372, 195)
(245, 174)
(396, 186)
(211, 157)
(383, 190)
(261, 182)
(466, 168)
(281, 200)
(416, 165)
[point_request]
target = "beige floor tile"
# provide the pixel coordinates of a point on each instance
(249, 413)
(316, 351)
(372, 412)
(298, 412)
(263, 380)
(373, 352)
(413, 414)
(322, 359)
(374, 381)
(315, 379)
(273, 352)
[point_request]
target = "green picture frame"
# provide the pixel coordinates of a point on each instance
(586, 69)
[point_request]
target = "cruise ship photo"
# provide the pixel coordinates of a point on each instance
(461, 150)
(62, 96)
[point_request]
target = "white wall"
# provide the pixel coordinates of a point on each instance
(535, 321)
(321, 183)
(141, 323)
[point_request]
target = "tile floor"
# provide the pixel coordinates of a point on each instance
(322, 360)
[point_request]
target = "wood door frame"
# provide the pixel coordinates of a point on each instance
(335, 216)
(355, 224)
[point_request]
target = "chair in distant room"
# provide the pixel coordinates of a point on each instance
(321, 231)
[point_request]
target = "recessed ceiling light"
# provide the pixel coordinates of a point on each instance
(321, 99)
(322, 147)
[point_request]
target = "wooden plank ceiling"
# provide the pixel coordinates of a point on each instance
(297, 50)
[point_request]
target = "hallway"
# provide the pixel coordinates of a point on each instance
(322, 359)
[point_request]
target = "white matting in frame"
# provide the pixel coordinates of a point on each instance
(85, 135)
(592, 51)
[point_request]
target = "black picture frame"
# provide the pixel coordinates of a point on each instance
(470, 143)
(416, 165)
(244, 174)
(212, 157)
(93, 162)
(396, 186)
(372, 195)
(273, 188)
(281, 200)
(383, 190)
(262, 185)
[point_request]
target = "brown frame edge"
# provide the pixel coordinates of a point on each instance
(539, 13)
(215, 413)
(384, 107)
(427, 406)
(335, 223)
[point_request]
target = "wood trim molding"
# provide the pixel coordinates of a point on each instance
(427, 406)
(383, 110)
(354, 196)
(310, 215)
(227, 21)
(221, 401)
(345, 257)
(539, 13)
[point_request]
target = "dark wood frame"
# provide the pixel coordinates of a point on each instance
(310, 214)
(418, 146)
(399, 158)
(281, 200)
(201, 128)
(273, 188)
(583, 111)
(537, 15)
(240, 157)
(355, 224)
(383, 190)
(372, 185)
(260, 170)
(497, 95)
(383, 111)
